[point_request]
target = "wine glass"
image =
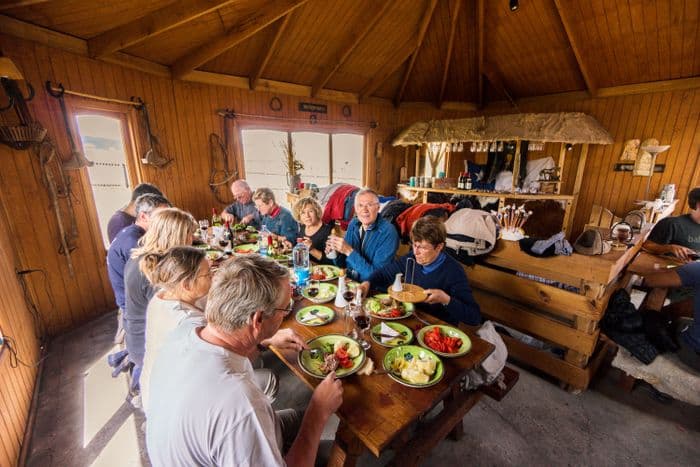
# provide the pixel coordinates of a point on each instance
(313, 288)
(362, 321)
(204, 228)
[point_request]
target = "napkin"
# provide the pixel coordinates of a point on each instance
(384, 329)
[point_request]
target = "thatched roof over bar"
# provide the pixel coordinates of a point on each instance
(565, 127)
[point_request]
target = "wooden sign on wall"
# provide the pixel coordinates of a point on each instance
(314, 108)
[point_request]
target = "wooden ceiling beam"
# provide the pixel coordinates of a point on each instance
(427, 17)
(450, 47)
(9, 4)
(284, 22)
(397, 59)
(573, 43)
(494, 77)
(267, 14)
(480, 8)
(327, 74)
(169, 17)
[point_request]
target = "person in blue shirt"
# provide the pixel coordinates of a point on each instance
(243, 210)
(688, 335)
(277, 219)
(126, 216)
(120, 249)
(370, 242)
(443, 278)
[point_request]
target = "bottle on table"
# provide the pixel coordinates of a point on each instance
(264, 240)
(336, 232)
(301, 263)
(339, 299)
(227, 238)
(215, 218)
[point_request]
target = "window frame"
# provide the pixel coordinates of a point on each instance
(295, 127)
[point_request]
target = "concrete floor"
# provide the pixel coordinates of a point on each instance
(83, 418)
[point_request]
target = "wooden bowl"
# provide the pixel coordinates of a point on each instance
(411, 293)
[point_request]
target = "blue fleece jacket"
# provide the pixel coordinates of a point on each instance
(282, 224)
(448, 276)
(379, 248)
(117, 256)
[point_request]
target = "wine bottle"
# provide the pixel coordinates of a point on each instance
(215, 218)
(467, 181)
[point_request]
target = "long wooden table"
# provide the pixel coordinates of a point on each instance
(378, 413)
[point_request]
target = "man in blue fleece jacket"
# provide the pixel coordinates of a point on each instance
(370, 242)
(443, 278)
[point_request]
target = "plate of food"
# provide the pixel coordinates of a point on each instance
(282, 258)
(391, 334)
(315, 315)
(444, 340)
(329, 353)
(413, 366)
(246, 249)
(214, 255)
(382, 306)
(325, 292)
(325, 273)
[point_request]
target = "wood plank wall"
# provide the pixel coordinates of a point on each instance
(17, 384)
(183, 115)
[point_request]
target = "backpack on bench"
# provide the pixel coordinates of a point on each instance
(470, 233)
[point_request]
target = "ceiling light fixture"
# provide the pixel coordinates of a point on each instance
(514, 5)
(569, 147)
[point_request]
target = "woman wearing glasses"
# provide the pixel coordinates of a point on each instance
(443, 278)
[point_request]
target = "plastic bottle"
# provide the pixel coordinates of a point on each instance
(263, 240)
(300, 260)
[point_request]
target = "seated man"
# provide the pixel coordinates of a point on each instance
(127, 215)
(120, 249)
(242, 210)
(443, 278)
(277, 219)
(678, 236)
(205, 408)
(688, 337)
(370, 242)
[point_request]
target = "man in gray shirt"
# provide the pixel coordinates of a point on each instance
(242, 210)
(205, 408)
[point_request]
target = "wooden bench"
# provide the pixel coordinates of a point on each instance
(494, 391)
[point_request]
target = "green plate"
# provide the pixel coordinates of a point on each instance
(326, 293)
(246, 249)
(399, 340)
(448, 331)
(407, 307)
(415, 352)
(202, 246)
(325, 272)
(315, 315)
(326, 343)
(282, 258)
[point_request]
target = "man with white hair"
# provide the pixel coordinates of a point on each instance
(370, 242)
(242, 210)
(205, 408)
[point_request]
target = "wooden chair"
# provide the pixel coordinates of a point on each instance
(601, 217)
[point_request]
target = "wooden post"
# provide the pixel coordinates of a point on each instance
(562, 160)
(516, 166)
(577, 185)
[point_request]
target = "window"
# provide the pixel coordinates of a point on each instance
(327, 158)
(103, 144)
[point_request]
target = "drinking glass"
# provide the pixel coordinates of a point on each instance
(313, 288)
(204, 228)
(362, 321)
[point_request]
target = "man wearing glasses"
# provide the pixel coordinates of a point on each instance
(370, 241)
(205, 408)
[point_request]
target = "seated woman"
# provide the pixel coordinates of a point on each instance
(168, 228)
(315, 233)
(182, 277)
(443, 278)
(277, 219)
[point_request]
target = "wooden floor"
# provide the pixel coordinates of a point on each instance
(84, 420)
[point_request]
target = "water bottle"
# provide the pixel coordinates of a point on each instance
(263, 240)
(300, 260)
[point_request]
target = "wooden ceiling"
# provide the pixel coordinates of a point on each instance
(463, 51)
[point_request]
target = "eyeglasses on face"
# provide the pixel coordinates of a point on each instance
(423, 246)
(287, 310)
(367, 206)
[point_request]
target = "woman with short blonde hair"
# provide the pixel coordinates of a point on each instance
(312, 229)
(168, 228)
